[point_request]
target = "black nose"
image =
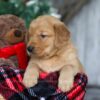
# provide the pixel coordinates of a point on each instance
(30, 48)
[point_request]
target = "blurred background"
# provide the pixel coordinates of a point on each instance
(83, 19)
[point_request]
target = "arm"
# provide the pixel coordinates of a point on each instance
(67, 74)
(66, 78)
(31, 75)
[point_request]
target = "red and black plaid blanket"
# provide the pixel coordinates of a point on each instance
(12, 88)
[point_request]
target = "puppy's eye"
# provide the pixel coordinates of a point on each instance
(43, 36)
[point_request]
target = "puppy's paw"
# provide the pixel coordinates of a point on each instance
(65, 84)
(1, 97)
(30, 82)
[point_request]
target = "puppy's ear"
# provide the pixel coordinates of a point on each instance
(62, 34)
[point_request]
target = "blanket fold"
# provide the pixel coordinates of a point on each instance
(12, 88)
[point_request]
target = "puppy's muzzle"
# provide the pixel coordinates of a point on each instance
(30, 49)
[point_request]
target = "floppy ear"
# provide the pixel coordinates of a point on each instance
(62, 34)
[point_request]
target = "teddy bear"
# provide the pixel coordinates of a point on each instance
(12, 31)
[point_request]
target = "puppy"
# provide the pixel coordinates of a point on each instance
(50, 50)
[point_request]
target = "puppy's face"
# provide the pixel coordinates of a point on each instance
(41, 39)
(46, 35)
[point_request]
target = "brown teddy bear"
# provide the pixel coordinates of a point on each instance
(12, 31)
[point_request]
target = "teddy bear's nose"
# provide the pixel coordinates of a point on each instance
(17, 33)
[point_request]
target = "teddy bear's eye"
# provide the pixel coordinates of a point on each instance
(17, 33)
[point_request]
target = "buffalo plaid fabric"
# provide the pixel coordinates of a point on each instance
(11, 87)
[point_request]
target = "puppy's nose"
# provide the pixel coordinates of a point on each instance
(30, 48)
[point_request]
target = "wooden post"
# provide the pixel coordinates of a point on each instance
(68, 8)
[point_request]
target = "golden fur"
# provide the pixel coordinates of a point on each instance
(53, 51)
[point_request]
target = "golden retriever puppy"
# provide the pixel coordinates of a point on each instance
(50, 50)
